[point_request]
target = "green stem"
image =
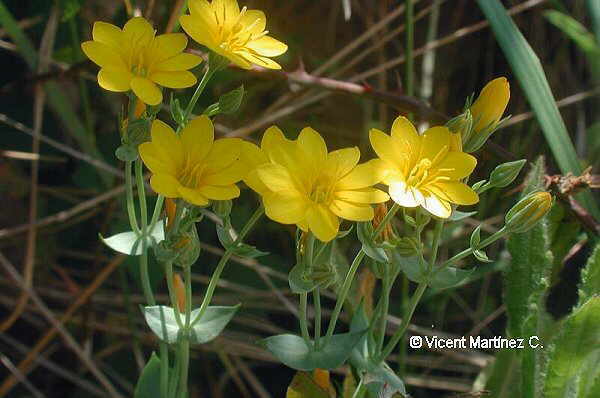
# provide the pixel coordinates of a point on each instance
(385, 307)
(437, 234)
(188, 296)
(139, 173)
(352, 271)
(303, 316)
(129, 196)
(317, 301)
(184, 351)
(199, 89)
(164, 370)
(405, 322)
(157, 209)
(173, 380)
(212, 285)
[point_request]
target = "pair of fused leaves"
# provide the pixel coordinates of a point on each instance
(446, 278)
(131, 243)
(324, 271)
(379, 378)
(228, 104)
(227, 237)
(161, 319)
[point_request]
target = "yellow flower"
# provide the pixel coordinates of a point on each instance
(489, 107)
(193, 166)
(134, 58)
(302, 183)
(424, 170)
(528, 211)
(234, 34)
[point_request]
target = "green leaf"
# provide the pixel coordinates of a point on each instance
(481, 256)
(505, 375)
(292, 350)
(204, 330)
(298, 281)
(303, 386)
(528, 70)
(444, 279)
(460, 215)
(365, 232)
(475, 238)
(148, 385)
(590, 277)
(130, 243)
(578, 339)
(575, 31)
(230, 102)
(227, 236)
(594, 11)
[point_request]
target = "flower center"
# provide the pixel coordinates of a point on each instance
(321, 193)
(191, 174)
(239, 35)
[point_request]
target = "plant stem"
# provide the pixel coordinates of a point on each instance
(157, 209)
(184, 351)
(173, 380)
(223, 262)
(185, 343)
(129, 196)
(164, 370)
(405, 322)
(303, 317)
(317, 301)
(139, 173)
(352, 271)
(437, 234)
(199, 89)
(385, 307)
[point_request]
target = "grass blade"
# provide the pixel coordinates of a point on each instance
(530, 74)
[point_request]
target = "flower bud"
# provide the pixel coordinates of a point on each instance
(387, 233)
(487, 112)
(505, 174)
(528, 211)
(179, 288)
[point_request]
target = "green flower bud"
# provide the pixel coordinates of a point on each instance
(505, 173)
(407, 247)
(528, 211)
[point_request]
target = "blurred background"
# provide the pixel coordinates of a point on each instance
(61, 189)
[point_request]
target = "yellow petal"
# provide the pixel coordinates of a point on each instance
(169, 45)
(404, 133)
(167, 144)
(220, 192)
(222, 154)
(165, 184)
(197, 138)
(312, 148)
(113, 80)
(108, 34)
(103, 55)
(322, 222)
(388, 149)
(226, 12)
(254, 21)
(267, 46)
(285, 208)
(454, 192)
(363, 176)
(491, 103)
(155, 160)
(276, 177)
(351, 211)
(179, 62)
(366, 195)
(435, 140)
(180, 79)
(341, 162)
(252, 179)
(457, 165)
(193, 196)
(258, 59)
(200, 32)
(138, 31)
(146, 90)
(226, 176)
(251, 155)
(436, 206)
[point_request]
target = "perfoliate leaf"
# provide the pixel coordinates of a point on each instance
(364, 230)
(460, 215)
(293, 351)
(130, 243)
(148, 385)
(230, 102)
(476, 238)
(481, 256)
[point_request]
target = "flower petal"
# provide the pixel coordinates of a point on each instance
(226, 12)
(104, 55)
(200, 32)
(388, 149)
(341, 162)
(254, 21)
(168, 45)
(404, 133)
(435, 140)
(454, 192)
(167, 144)
(276, 177)
(197, 138)
(366, 195)
(312, 150)
(258, 59)
(351, 211)
(113, 80)
(179, 79)
(165, 184)
(322, 222)
(403, 195)
(267, 46)
(285, 208)
(436, 206)
(220, 192)
(179, 62)
(458, 165)
(362, 176)
(222, 154)
(108, 34)
(193, 196)
(226, 176)
(146, 90)
(155, 160)
(138, 32)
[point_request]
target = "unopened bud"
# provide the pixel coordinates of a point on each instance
(179, 288)
(528, 211)
(504, 174)
(171, 210)
(387, 233)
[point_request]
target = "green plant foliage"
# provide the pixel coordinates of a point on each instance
(293, 351)
(131, 243)
(578, 340)
(590, 277)
(444, 279)
(148, 385)
(364, 231)
(528, 70)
